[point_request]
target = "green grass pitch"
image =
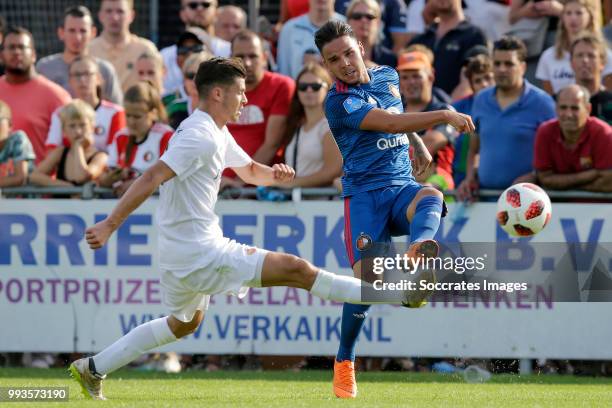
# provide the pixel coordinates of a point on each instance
(313, 389)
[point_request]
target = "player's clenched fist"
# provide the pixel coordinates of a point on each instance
(283, 173)
(463, 123)
(97, 235)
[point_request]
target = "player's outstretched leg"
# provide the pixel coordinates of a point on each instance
(90, 372)
(424, 214)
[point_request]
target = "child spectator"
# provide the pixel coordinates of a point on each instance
(16, 152)
(85, 82)
(312, 151)
(150, 68)
(79, 163)
(554, 67)
(139, 145)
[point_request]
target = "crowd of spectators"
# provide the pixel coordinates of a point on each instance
(503, 62)
(536, 76)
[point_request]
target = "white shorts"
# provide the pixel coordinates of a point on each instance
(236, 269)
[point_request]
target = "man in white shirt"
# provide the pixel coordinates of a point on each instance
(197, 260)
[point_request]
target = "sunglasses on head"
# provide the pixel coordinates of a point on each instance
(187, 50)
(316, 86)
(359, 16)
(195, 4)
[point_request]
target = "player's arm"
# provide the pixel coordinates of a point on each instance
(379, 120)
(261, 175)
(275, 129)
(468, 187)
(556, 181)
(421, 156)
(138, 192)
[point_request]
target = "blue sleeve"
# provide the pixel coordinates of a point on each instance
(395, 16)
(346, 110)
(283, 51)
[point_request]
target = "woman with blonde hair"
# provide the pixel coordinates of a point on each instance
(312, 151)
(554, 68)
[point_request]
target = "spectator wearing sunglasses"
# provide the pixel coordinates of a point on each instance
(312, 151)
(259, 129)
(116, 43)
(297, 35)
(199, 18)
(393, 21)
(189, 42)
(364, 18)
(181, 108)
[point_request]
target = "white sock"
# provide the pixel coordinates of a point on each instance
(348, 289)
(138, 341)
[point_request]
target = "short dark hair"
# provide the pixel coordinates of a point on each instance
(246, 34)
(218, 72)
(18, 30)
(78, 12)
(594, 41)
(478, 65)
(330, 31)
(511, 43)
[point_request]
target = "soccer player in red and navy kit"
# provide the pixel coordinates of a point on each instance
(381, 197)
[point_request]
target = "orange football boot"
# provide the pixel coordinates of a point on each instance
(345, 385)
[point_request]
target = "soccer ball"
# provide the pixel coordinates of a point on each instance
(523, 210)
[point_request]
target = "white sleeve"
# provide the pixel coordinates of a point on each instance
(414, 17)
(112, 155)
(543, 69)
(234, 155)
(54, 137)
(187, 152)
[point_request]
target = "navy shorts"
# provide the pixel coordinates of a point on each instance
(375, 216)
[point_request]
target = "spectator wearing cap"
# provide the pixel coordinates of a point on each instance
(450, 39)
(116, 43)
(507, 116)
(76, 33)
(588, 58)
(259, 129)
(199, 18)
(297, 36)
(190, 41)
(416, 79)
(393, 22)
(573, 151)
(230, 20)
(437, 92)
(364, 18)
(479, 74)
(31, 97)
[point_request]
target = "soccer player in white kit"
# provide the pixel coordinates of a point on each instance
(196, 260)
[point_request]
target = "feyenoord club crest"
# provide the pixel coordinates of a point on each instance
(364, 242)
(148, 156)
(394, 91)
(99, 130)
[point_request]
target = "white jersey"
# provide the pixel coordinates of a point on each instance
(189, 233)
(144, 154)
(110, 118)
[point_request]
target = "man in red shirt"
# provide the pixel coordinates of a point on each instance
(260, 128)
(31, 97)
(575, 150)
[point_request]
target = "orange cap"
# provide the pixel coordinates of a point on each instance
(413, 60)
